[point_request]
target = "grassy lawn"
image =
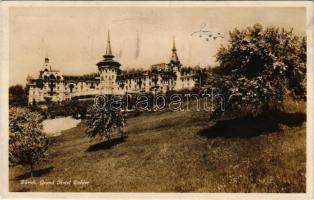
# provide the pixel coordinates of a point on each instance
(180, 152)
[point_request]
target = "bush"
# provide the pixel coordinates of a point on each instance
(72, 108)
(27, 144)
(258, 68)
(102, 123)
(18, 96)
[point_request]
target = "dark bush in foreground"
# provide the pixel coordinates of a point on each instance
(27, 144)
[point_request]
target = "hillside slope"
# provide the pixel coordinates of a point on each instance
(179, 152)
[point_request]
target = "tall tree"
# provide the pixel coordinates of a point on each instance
(27, 144)
(259, 67)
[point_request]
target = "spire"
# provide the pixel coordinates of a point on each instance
(47, 64)
(108, 50)
(174, 45)
(46, 60)
(46, 56)
(174, 57)
(108, 57)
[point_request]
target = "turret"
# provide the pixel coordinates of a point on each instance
(109, 69)
(174, 63)
(47, 64)
(108, 61)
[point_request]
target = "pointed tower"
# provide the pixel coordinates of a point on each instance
(108, 50)
(108, 61)
(174, 56)
(47, 64)
(174, 60)
(109, 70)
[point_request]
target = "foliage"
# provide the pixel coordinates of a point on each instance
(102, 122)
(74, 108)
(27, 144)
(258, 68)
(17, 96)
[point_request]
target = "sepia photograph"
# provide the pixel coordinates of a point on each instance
(166, 98)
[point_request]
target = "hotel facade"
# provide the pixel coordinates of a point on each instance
(52, 85)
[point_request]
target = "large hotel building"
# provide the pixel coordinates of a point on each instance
(52, 85)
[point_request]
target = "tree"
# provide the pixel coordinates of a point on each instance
(258, 68)
(27, 144)
(18, 96)
(102, 123)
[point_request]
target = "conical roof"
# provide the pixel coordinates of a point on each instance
(108, 57)
(174, 57)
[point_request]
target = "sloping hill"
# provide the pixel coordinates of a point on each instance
(179, 152)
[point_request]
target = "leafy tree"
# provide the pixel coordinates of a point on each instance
(102, 123)
(18, 96)
(258, 68)
(27, 144)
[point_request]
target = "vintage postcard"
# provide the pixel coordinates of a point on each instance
(157, 99)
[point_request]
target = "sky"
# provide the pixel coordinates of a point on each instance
(75, 38)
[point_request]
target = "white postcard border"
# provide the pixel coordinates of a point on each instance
(4, 81)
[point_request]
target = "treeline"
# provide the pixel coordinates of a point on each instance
(74, 108)
(18, 96)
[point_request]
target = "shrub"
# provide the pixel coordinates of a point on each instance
(258, 68)
(102, 123)
(27, 144)
(18, 96)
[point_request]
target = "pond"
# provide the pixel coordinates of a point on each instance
(53, 127)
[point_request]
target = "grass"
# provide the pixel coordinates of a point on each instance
(179, 152)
